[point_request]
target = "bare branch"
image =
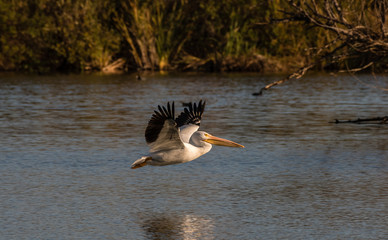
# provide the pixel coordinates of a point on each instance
(339, 10)
(298, 74)
(301, 71)
(378, 120)
(353, 70)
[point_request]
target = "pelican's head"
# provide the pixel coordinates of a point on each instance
(207, 137)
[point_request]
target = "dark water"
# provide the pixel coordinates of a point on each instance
(67, 142)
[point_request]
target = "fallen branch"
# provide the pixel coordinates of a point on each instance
(298, 74)
(114, 67)
(302, 71)
(356, 69)
(377, 120)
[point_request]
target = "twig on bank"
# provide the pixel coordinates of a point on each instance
(302, 71)
(298, 74)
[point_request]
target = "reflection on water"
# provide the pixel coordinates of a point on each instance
(184, 227)
(67, 143)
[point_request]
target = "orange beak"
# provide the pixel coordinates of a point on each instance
(221, 142)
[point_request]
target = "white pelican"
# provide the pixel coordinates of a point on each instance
(173, 141)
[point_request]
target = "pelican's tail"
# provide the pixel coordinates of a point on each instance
(141, 162)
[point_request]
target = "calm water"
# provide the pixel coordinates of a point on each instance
(67, 143)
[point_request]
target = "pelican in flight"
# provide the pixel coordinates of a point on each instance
(177, 140)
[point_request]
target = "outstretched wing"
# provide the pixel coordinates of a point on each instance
(192, 114)
(162, 132)
(190, 119)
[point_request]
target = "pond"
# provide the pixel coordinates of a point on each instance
(67, 143)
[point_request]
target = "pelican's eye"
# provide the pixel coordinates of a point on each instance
(207, 135)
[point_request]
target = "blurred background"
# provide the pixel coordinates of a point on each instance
(241, 35)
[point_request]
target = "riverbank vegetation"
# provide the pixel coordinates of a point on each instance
(239, 35)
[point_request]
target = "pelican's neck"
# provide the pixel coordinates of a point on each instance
(197, 150)
(186, 131)
(202, 147)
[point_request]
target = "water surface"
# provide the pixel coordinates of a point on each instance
(67, 143)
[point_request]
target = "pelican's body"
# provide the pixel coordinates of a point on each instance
(187, 153)
(174, 141)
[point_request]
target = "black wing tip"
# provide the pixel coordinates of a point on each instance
(192, 113)
(166, 111)
(156, 122)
